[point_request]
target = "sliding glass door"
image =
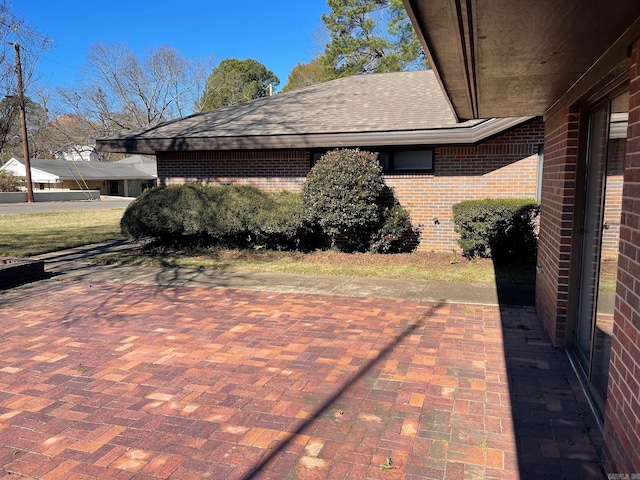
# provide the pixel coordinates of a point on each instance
(600, 235)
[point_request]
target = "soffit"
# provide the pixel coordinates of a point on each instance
(498, 58)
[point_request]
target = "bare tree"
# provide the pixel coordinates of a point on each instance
(15, 30)
(10, 138)
(120, 91)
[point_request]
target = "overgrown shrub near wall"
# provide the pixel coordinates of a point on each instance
(345, 196)
(344, 203)
(498, 228)
(193, 215)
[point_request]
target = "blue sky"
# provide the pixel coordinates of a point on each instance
(277, 33)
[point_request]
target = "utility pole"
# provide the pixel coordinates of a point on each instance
(23, 124)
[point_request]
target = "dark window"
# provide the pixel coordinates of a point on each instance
(413, 160)
(407, 161)
(315, 158)
(397, 161)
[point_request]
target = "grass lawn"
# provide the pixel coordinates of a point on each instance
(418, 265)
(27, 234)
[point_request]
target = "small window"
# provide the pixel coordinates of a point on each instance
(316, 158)
(413, 160)
(385, 161)
(400, 161)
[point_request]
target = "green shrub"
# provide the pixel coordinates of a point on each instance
(342, 195)
(497, 228)
(277, 224)
(396, 234)
(194, 215)
(10, 183)
(174, 215)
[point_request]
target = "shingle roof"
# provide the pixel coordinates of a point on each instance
(145, 164)
(68, 170)
(385, 107)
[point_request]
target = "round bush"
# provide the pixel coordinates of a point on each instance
(396, 235)
(342, 194)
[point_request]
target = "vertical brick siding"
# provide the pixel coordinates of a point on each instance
(271, 170)
(505, 166)
(556, 221)
(622, 416)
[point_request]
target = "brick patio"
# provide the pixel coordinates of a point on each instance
(134, 381)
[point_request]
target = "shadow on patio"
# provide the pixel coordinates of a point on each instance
(556, 434)
(144, 381)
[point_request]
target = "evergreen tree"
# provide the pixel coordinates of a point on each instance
(371, 36)
(234, 81)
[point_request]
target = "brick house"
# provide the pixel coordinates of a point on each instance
(578, 65)
(429, 159)
(127, 177)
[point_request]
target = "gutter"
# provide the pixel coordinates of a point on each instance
(447, 136)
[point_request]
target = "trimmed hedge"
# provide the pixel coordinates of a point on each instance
(169, 216)
(497, 228)
(193, 215)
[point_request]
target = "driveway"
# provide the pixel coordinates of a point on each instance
(142, 381)
(103, 204)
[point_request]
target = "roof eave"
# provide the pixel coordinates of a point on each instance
(434, 64)
(446, 136)
(513, 58)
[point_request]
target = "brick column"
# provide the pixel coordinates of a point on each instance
(556, 221)
(622, 416)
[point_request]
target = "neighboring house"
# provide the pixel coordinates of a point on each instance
(80, 153)
(429, 159)
(128, 177)
(578, 64)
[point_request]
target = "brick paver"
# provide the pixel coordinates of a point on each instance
(134, 381)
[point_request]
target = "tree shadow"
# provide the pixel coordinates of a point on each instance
(258, 468)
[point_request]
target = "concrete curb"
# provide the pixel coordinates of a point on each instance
(71, 265)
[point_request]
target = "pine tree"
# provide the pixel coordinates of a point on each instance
(234, 81)
(371, 36)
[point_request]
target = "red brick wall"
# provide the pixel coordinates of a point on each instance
(505, 166)
(556, 221)
(622, 416)
(271, 170)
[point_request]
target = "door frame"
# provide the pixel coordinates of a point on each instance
(577, 245)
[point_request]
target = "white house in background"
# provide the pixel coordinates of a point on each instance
(125, 178)
(80, 153)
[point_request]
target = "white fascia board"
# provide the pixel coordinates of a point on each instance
(37, 176)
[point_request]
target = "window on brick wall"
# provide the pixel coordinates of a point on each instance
(398, 161)
(406, 161)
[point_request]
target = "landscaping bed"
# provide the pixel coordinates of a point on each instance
(419, 265)
(18, 271)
